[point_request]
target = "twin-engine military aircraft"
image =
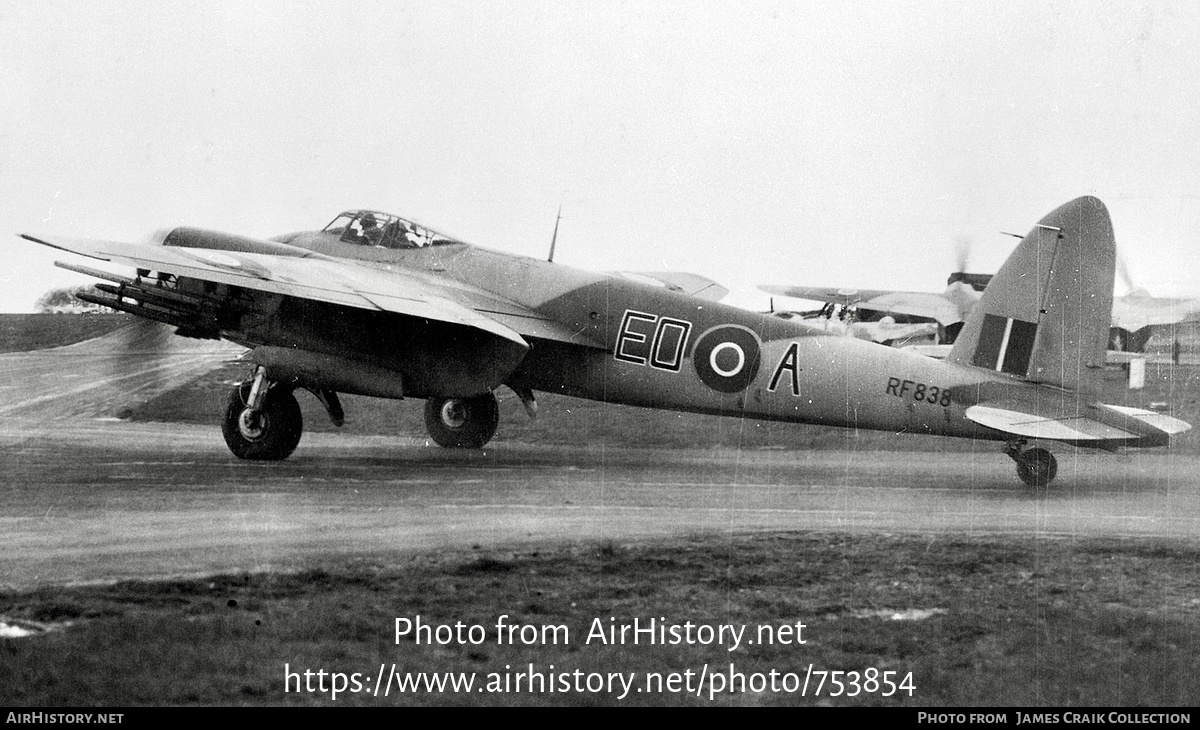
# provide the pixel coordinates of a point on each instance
(377, 305)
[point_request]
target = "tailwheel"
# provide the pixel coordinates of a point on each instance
(269, 432)
(462, 423)
(1036, 467)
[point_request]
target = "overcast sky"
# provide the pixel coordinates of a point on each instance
(817, 143)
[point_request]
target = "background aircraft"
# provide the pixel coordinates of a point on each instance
(1134, 316)
(880, 328)
(875, 314)
(379, 305)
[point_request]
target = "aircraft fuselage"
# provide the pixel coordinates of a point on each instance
(650, 346)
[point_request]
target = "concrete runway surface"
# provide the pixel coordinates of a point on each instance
(94, 501)
(85, 499)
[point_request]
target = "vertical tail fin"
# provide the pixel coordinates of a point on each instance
(1045, 316)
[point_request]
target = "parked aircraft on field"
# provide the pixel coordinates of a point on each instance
(1134, 316)
(943, 314)
(379, 305)
(868, 324)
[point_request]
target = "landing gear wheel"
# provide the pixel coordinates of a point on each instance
(1037, 467)
(462, 423)
(270, 434)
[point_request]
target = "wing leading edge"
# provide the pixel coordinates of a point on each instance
(325, 279)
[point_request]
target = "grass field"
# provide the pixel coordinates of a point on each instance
(978, 622)
(23, 332)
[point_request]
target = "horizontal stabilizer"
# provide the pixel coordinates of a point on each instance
(1028, 425)
(1092, 424)
(1153, 419)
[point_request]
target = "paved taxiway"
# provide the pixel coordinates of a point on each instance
(86, 500)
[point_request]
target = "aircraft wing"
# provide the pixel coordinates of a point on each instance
(830, 294)
(327, 280)
(918, 304)
(1135, 311)
(680, 281)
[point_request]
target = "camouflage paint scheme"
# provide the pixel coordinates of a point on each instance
(425, 315)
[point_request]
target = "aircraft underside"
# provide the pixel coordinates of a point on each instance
(263, 420)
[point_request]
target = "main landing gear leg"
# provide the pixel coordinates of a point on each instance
(262, 421)
(1036, 467)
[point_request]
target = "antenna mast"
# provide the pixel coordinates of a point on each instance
(554, 238)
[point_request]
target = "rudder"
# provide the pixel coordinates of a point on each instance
(1045, 316)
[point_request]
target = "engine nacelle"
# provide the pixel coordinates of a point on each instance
(201, 238)
(319, 371)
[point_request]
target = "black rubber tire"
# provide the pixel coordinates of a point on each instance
(279, 427)
(462, 423)
(1037, 468)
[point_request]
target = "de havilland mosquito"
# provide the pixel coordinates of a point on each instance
(378, 305)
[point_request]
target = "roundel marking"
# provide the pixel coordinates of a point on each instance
(719, 355)
(726, 358)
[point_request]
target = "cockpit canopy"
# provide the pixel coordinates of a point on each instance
(384, 230)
